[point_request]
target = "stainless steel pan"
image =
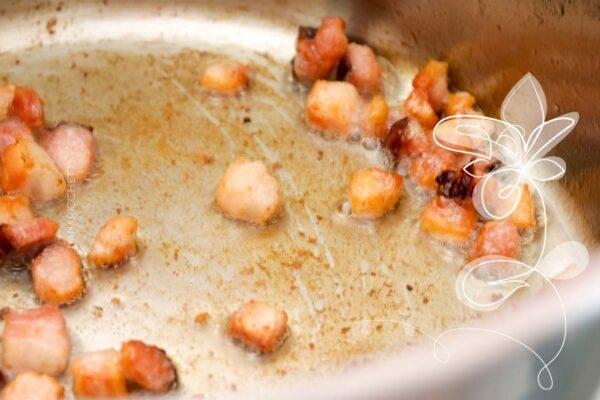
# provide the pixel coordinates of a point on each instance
(355, 294)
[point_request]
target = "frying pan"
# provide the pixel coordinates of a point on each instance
(364, 300)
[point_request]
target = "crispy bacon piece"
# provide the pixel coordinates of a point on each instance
(27, 169)
(259, 326)
(433, 81)
(373, 192)
(11, 130)
(459, 103)
(28, 234)
(148, 366)
(363, 70)
(7, 93)
(98, 375)
(417, 106)
(32, 386)
(15, 208)
(36, 340)
(115, 242)
(333, 108)
(374, 118)
(449, 219)
(524, 215)
(56, 272)
(248, 192)
(406, 138)
(28, 106)
(426, 167)
(318, 52)
(72, 148)
(226, 78)
(497, 238)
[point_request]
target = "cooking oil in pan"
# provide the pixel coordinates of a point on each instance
(351, 290)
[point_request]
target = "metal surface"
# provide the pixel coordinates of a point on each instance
(130, 68)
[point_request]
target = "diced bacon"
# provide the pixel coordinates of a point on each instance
(32, 386)
(333, 108)
(28, 106)
(28, 234)
(318, 52)
(72, 148)
(426, 167)
(115, 242)
(374, 118)
(373, 192)
(363, 70)
(27, 169)
(449, 219)
(497, 238)
(148, 366)
(7, 93)
(15, 208)
(417, 106)
(98, 375)
(524, 215)
(248, 192)
(226, 78)
(36, 340)
(56, 272)
(259, 326)
(433, 81)
(459, 103)
(406, 138)
(11, 130)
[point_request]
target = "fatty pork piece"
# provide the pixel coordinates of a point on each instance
(148, 366)
(22, 103)
(373, 192)
(248, 192)
(57, 274)
(259, 326)
(225, 78)
(336, 109)
(11, 130)
(116, 241)
(449, 219)
(319, 51)
(32, 386)
(15, 208)
(98, 375)
(36, 340)
(29, 235)
(27, 169)
(363, 70)
(72, 148)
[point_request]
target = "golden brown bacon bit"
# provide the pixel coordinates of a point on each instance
(148, 366)
(28, 235)
(32, 386)
(363, 71)
(28, 106)
(98, 375)
(497, 238)
(454, 183)
(318, 52)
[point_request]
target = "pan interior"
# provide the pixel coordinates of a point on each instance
(350, 289)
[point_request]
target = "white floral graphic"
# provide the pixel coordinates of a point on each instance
(517, 144)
